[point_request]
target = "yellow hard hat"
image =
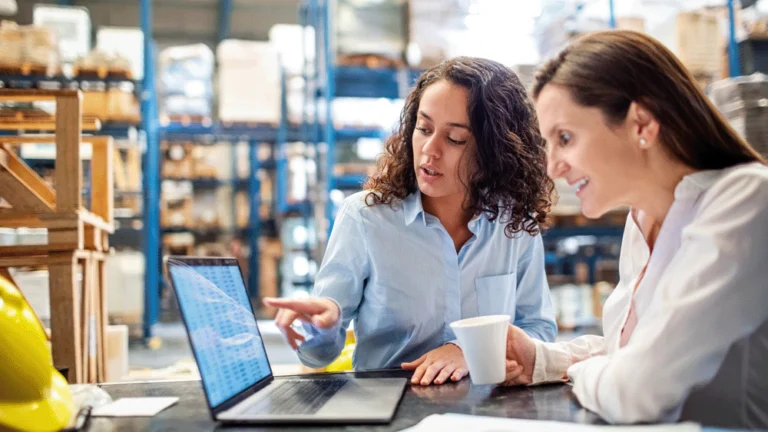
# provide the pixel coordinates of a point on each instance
(33, 395)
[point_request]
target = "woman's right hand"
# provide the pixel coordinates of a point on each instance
(320, 312)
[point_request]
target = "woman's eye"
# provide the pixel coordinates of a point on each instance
(424, 131)
(457, 142)
(565, 138)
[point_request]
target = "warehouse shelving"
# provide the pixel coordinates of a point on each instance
(337, 81)
(254, 135)
(346, 81)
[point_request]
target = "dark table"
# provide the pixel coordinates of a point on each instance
(190, 413)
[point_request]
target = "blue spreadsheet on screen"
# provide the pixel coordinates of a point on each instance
(221, 325)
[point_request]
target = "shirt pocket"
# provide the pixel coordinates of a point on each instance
(496, 294)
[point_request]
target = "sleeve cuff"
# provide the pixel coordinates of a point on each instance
(455, 342)
(551, 363)
(331, 332)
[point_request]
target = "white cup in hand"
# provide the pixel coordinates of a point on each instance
(483, 340)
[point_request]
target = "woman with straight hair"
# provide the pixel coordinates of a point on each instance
(685, 331)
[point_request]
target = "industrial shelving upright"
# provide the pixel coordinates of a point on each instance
(345, 81)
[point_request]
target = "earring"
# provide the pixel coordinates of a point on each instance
(643, 142)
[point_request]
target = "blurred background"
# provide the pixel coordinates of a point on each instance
(241, 125)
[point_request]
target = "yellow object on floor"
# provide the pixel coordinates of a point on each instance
(33, 395)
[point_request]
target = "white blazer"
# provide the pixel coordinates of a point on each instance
(700, 348)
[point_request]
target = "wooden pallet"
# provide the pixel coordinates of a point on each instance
(103, 72)
(373, 61)
(26, 69)
(186, 120)
(36, 119)
(247, 124)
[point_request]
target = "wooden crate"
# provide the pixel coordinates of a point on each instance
(95, 104)
(122, 106)
(77, 237)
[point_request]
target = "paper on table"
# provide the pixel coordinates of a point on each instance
(135, 407)
(461, 422)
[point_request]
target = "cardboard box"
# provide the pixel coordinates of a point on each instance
(697, 40)
(117, 352)
(177, 213)
(122, 106)
(95, 104)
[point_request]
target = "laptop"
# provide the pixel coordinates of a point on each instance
(237, 377)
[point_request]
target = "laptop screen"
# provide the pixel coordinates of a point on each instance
(221, 326)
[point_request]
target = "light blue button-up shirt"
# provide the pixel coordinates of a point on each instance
(396, 274)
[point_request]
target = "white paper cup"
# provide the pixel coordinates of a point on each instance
(483, 340)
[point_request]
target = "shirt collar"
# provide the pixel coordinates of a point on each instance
(412, 208)
(474, 223)
(693, 185)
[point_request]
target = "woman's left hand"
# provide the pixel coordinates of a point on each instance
(438, 366)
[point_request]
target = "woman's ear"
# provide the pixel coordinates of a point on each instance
(644, 127)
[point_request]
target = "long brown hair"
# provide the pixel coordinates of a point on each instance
(510, 180)
(611, 69)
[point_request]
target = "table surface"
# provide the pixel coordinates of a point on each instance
(190, 413)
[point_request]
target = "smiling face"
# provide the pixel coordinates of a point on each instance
(440, 140)
(600, 161)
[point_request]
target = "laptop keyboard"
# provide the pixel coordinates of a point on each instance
(298, 397)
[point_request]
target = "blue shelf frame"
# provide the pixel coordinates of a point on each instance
(151, 177)
(346, 81)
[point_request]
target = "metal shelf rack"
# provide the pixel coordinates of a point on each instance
(346, 81)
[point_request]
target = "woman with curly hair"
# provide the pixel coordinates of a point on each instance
(447, 229)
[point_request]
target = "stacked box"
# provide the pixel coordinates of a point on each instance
(744, 102)
(28, 45)
(371, 28)
(249, 82)
(697, 40)
(71, 26)
(185, 84)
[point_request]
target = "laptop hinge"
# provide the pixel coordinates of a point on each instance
(243, 395)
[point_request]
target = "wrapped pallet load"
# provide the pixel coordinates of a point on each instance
(30, 48)
(371, 34)
(744, 102)
(248, 82)
(185, 84)
(11, 44)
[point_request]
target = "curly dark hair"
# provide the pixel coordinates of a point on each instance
(510, 181)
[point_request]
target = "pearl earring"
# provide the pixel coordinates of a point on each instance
(643, 142)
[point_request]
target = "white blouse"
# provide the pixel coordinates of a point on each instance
(700, 348)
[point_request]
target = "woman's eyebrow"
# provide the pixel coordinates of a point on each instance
(459, 125)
